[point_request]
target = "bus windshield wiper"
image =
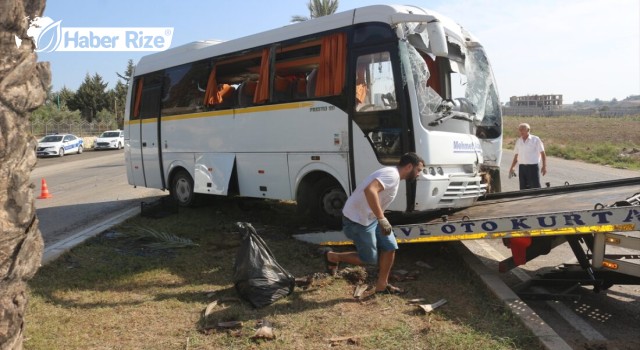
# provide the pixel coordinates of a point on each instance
(446, 108)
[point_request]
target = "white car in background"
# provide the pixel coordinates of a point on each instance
(112, 139)
(59, 145)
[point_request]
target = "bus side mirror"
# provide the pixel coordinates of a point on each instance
(437, 39)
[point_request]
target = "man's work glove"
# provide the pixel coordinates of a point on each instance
(385, 226)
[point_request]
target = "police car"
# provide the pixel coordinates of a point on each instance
(110, 139)
(59, 145)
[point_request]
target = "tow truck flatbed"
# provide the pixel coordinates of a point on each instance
(589, 217)
(527, 206)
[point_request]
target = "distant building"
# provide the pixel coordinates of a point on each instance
(540, 101)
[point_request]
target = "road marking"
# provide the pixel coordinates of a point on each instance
(565, 312)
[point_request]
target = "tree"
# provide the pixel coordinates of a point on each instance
(106, 119)
(23, 86)
(49, 113)
(61, 98)
(317, 8)
(127, 73)
(91, 97)
(118, 95)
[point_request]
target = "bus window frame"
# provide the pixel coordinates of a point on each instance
(401, 111)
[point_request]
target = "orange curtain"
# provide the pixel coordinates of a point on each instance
(332, 70)
(361, 93)
(262, 90)
(136, 108)
(211, 96)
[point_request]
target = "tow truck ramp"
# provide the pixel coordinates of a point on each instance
(604, 240)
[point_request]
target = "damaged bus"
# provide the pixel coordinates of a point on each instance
(305, 112)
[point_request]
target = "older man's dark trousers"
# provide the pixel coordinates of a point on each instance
(529, 176)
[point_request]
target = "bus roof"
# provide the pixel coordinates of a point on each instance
(199, 50)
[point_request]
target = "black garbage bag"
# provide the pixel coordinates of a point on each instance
(257, 276)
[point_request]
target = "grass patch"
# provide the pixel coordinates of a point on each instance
(116, 293)
(608, 141)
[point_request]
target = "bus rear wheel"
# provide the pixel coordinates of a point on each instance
(182, 189)
(328, 200)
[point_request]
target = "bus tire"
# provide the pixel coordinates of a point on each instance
(327, 202)
(182, 189)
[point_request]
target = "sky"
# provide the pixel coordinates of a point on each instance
(582, 49)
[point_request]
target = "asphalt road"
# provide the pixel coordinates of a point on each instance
(561, 171)
(87, 188)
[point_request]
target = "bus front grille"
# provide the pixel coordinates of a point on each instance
(464, 191)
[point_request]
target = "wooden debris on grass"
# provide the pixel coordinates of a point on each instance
(416, 301)
(404, 275)
(265, 331)
(430, 307)
(360, 289)
(209, 310)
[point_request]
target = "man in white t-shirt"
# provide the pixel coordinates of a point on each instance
(529, 151)
(364, 221)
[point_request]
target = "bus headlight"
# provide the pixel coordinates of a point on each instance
(440, 171)
(432, 171)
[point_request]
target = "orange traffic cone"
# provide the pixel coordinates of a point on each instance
(44, 193)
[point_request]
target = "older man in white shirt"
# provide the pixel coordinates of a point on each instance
(529, 151)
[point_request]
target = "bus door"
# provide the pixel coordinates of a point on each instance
(132, 151)
(380, 131)
(150, 136)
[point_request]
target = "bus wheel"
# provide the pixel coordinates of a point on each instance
(182, 189)
(328, 200)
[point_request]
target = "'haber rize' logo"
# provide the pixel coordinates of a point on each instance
(49, 35)
(41, 30)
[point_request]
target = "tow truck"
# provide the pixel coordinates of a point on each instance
(600, 221)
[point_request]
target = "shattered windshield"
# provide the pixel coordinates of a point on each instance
(449, 89)
(482, 92)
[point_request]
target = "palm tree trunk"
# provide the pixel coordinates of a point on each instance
(23, 83)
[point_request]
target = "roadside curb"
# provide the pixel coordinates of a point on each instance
(546, 335)
(53, 251)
